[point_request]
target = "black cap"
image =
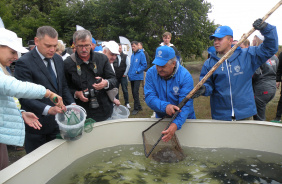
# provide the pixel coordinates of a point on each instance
(30, 42)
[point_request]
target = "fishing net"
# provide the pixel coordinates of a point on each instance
(88, 125)
(155, 148)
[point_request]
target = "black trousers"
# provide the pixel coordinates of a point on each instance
(261, 102)
(279, 106)
(135, 93)
(33, 141)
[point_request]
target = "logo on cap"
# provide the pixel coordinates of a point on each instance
(159, 54)
(218, 30)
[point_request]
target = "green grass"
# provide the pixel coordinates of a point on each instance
(146, 112)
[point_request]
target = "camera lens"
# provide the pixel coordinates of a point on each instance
(86, 94)
(93, 103)
(92, 93)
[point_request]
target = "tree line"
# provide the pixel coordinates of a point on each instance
(140, 20)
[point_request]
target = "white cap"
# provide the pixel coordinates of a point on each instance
(10, 39)
(112, 46)
(260, 36)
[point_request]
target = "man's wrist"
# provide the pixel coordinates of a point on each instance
(107, 86)
(74, 95)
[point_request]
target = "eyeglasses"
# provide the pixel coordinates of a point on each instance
(81, 46)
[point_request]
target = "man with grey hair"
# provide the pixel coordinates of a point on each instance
(111, 51)
(89, 76)
(167, 84)
(43, 66)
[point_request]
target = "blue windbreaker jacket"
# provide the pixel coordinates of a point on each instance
(230, 86)
(159, 93)
(138, 64)
(12, 129)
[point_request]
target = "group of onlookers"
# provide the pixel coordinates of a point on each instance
(91, 79)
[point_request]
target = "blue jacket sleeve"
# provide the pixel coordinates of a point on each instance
(267, 49)
(10, 86)
(186, 86)
(151, 95)
(142, 64)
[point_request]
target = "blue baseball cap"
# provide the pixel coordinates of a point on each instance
(221, 32)
(93, 40)
(163, 55)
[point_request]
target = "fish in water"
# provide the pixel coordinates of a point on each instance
(168, 155)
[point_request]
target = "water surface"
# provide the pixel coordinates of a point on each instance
(127, 164)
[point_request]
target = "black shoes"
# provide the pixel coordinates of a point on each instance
(277, 119)
(134, 112)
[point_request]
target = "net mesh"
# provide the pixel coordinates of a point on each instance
(159, 150)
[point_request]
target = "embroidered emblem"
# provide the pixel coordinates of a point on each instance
(159, 54)
(136, 60)
(217, 30)
(78, 67)
(175, 90)
(237, 68)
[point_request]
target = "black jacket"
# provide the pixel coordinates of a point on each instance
(81, 82)
(279, 69)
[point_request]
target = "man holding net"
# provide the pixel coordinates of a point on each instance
(167, 84)
(230, 86)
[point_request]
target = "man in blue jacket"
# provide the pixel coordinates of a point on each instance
(167, 84)
(135, 74)
(230, 86)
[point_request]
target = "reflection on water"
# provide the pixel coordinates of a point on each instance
(127, 164)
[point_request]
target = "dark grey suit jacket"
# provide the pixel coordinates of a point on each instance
(30, 67)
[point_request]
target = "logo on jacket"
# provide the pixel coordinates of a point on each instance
(271, 62)
(175, 90)
(237, 68)
(159, 54)
(136, 60)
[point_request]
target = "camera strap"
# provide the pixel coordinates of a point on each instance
(78, 68)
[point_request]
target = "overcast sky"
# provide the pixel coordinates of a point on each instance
(240, 15)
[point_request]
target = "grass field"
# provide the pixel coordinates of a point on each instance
(201, 106)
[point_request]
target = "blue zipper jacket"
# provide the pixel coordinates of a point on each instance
(138, 64)
(12, 128)
(230, 86)
(159, 93)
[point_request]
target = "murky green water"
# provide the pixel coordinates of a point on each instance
(127, 164)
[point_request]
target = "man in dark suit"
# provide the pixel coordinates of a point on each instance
(43, 66)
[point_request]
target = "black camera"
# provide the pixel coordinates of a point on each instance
(92, 96)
